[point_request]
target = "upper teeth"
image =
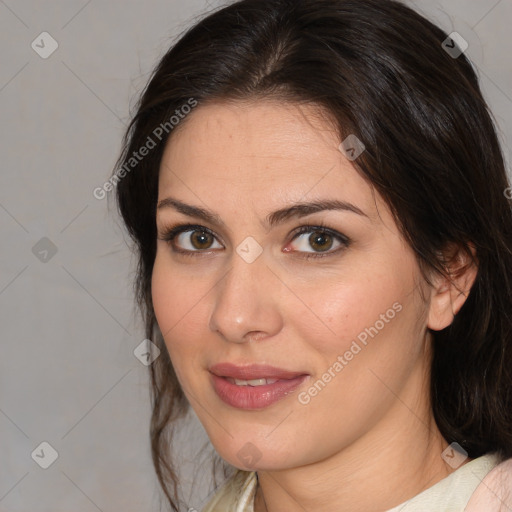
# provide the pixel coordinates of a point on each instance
(252, 382)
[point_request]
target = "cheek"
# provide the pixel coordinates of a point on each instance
(165, 305)
(336, 313)
(356, 327)
(177, 302)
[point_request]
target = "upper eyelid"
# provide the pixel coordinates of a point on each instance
(184, 227)
(304, 228)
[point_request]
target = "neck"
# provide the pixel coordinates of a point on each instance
(394, 461)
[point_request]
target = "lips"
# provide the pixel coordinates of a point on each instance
(254, 386)
(253, 372)
(252, 382)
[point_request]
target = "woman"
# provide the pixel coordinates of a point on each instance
(318, 201)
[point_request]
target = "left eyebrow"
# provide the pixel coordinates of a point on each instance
(304, 209)
(279, 216)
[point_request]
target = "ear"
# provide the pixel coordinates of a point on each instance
(449, 294)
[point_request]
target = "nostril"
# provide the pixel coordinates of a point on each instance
(255, 335)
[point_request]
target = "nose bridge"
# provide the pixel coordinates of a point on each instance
(244, 302)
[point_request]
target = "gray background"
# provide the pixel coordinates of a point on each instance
(68, 373)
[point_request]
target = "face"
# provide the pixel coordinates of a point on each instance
(327, 295)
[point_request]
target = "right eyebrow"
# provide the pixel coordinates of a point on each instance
(295, 210)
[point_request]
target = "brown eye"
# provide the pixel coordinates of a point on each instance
(201, 239)
(320, 241)
(195, 239)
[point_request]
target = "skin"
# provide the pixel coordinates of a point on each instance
(368, 440)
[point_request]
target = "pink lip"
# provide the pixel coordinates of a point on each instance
(253, 371)
(253, 397)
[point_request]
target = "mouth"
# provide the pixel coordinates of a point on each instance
(254, 386)
(252, 382)
(253, 372)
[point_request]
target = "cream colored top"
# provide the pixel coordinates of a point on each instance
(481, 485)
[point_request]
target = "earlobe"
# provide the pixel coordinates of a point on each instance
(450, 294)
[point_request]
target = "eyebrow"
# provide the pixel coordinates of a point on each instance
(276, 217)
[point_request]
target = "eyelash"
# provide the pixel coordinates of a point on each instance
(169, 233)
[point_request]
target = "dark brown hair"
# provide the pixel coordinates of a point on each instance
(379, 70)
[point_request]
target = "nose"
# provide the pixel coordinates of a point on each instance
(246, 302)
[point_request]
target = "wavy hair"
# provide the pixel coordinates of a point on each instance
(379, 70)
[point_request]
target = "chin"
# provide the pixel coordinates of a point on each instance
(255, 453)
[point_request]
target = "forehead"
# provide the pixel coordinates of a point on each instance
(260, 153)
(265, 131)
